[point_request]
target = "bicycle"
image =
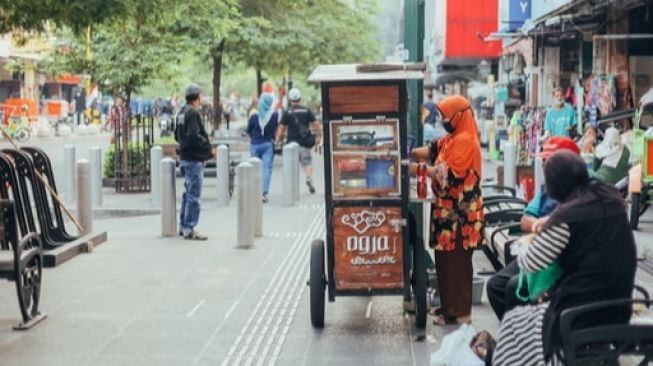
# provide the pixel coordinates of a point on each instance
(16, 127)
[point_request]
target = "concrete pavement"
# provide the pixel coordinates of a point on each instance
(143, 300)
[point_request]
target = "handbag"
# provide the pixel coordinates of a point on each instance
(306, 137)
(537, 283)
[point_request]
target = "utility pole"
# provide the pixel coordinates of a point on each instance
(414, 43)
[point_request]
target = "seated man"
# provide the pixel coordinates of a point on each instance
(502, 285)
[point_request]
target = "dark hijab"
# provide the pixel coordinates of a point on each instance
(581, 198)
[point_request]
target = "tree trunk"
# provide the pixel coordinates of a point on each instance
(259, 81)
(216, 55)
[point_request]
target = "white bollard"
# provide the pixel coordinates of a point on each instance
(95, 154)
(539, 173)
(290, 169)
(156, 155)
(69, 173)
(297, 170)
(245, 220)
(168, 198)
(258, 195)
(509, 165)
(84, 199)
(222, 174)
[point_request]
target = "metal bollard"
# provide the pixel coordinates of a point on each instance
(290, 168)
(258, 200)
(246, 195)
(296, 171)
(156, 155)
(84, 199)
(95, 154)
(539, 172)
(222, 174)
(69, 173)
(168, 198)
(509, 165)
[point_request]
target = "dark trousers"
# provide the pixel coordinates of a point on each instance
(501, 289)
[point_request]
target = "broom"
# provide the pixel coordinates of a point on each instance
(391, 67)
(46, 184)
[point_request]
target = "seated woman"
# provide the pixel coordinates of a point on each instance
(589, 236)
(611, 158)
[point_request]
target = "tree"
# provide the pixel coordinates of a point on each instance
(205, 31)
(34, 15)
(294, 37)
(127, 53)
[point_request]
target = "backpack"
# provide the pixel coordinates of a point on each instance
(306, 138)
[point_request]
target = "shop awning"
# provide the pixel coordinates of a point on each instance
(68, 79)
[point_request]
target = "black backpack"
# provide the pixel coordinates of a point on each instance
(306, 138)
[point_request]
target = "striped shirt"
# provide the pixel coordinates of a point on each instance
(545, 248)
(519, 342)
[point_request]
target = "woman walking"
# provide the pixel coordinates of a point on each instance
(457, 216)
(261, 128)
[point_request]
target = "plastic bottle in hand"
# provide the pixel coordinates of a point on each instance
(421, 180)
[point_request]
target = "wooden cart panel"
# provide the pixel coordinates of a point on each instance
(363, 99)
(368, 252)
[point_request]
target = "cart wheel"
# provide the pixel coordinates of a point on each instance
(29, 272)
(317, 283)
(634, 209)
(420, 279)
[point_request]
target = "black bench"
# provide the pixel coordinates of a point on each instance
(21, 261)
(603, 344)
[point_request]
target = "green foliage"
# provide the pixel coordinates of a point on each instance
(125, 55)
(137, 163)
(297, 36)
(76, 14)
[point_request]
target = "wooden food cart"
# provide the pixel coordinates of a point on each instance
(367, 190)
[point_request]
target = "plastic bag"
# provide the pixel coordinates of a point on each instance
(455, 349)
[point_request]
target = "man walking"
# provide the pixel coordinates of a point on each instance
(299, 120)
(194, 150)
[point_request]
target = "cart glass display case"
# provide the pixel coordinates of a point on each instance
(365, 159)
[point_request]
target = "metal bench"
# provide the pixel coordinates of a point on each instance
(603, 344)
(502, 217)
(21, 261)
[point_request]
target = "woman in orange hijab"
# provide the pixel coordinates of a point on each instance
(457, 212)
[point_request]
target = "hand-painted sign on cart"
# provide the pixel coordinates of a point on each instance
(369, 250)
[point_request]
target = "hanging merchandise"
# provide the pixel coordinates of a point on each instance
(607, 94)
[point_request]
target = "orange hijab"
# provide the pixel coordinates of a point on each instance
(460, 150)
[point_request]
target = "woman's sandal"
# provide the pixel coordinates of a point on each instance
(441, 319)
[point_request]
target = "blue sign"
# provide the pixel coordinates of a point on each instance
(518, 12)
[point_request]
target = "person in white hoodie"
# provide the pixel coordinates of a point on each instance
(611, 158)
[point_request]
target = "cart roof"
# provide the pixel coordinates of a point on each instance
(348, 72)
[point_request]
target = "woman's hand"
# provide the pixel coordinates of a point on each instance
(538, 224)
(412, 169)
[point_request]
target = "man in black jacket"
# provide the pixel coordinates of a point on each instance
(194, 150)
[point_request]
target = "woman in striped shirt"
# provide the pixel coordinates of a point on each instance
(589, 237)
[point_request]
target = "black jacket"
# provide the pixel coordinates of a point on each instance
(599, 262)
(193, 140)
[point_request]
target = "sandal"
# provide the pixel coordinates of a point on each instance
(444, 320)
(194, 235)
(437, 311)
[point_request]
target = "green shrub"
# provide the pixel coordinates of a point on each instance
(138, 165)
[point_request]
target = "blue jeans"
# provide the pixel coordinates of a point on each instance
(193, 172)
(265, 152)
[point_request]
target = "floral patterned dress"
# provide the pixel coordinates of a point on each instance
(458, 203)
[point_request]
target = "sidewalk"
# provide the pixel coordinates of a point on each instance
(140, 299)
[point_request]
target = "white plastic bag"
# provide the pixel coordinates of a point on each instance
(455, 349)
